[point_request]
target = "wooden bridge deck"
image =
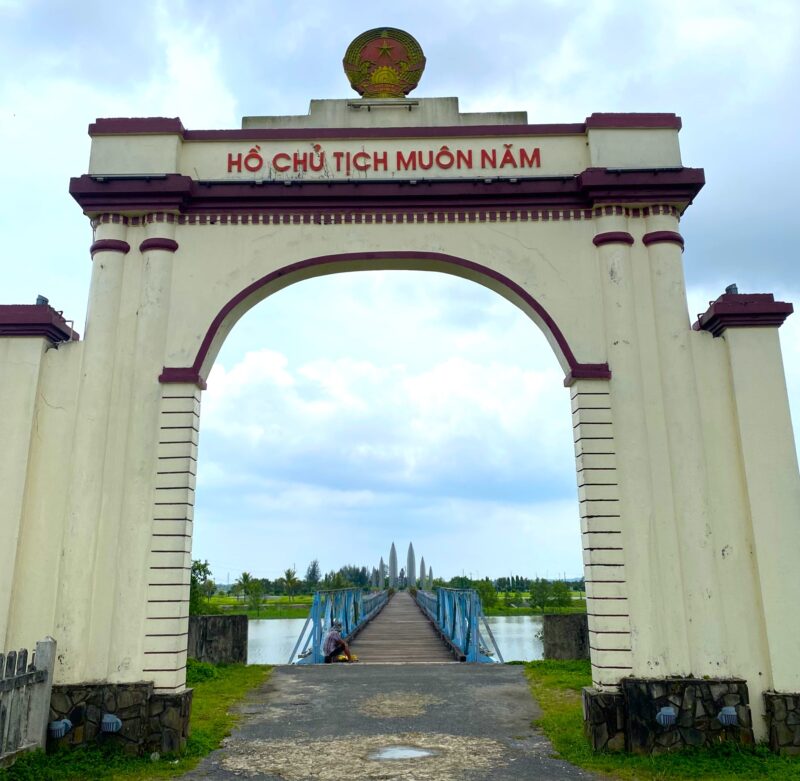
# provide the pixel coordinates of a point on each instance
(400, 634)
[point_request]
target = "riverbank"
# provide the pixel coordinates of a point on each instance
(557, 688)
(578, 606)
(217, 688)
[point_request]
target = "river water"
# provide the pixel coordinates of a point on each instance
(270, 641)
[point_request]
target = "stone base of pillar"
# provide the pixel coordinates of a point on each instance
(653, 716)
(150, 721)
(783, 722)
(604, 719)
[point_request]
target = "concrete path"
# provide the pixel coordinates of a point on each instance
(400, 633)
(437, 722)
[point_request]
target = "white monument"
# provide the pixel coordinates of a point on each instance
(688, 489)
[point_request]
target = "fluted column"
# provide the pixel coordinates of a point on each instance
(658, 618)
(146, 561)
(707, 642)
(80, 553)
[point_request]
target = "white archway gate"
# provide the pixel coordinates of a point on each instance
(687, 475)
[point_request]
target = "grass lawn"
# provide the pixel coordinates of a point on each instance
(578, 606)
(557, 687)
(272, 607)
(216, 689)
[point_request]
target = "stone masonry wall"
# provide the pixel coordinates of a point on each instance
(783, 722)
(604, 719)
(696, 702)
(150, 722)
(627, 720)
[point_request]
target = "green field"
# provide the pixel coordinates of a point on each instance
(578, 606)
(271, 607)
(557, 687)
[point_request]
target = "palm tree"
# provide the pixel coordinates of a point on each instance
(243, 584)
(290, 581)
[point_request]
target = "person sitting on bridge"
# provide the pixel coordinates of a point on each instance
(334, 644)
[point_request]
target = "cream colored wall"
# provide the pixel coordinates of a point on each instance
(567, 154)
(769, 465)
(547, 257)
(32, 606)
(21, 361)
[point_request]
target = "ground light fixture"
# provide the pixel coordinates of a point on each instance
(667, 716)
(728, 717)
(110, 723)
(57, 729)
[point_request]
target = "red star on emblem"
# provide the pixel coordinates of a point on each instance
(385, 48)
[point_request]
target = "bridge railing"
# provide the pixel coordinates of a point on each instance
(458, 614)
(351, 606)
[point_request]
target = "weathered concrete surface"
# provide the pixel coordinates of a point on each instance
(326, 723)
(218, 639)
(566, 637)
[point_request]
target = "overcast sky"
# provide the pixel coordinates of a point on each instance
(400, 406)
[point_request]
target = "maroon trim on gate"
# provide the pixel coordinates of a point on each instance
(358, 133)
(632, 121)
(35, 320)
(177, 193)
(178, 374)
(114, 126)
(743, 310)
(659, 237)
(170, 245)
(587, 371)
(110, 245)
(166, 125)
(192, 374)
(612, 237)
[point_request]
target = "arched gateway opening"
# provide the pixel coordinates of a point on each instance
(685, 462)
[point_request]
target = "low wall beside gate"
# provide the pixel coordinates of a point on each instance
(218, 639)
(565, 636)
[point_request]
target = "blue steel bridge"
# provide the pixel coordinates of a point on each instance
(442, 626)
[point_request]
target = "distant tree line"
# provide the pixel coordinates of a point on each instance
(514, 590)
(252, 590)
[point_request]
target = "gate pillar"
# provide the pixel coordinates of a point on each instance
(659, 639)
(604, 559)
(156, 248)
(90, 457)
(684, 445)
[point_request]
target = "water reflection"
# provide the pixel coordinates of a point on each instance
(519, 637)
(272, 640)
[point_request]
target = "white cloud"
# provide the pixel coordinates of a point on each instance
(473, 428)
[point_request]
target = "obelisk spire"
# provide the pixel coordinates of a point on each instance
(393, 567)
